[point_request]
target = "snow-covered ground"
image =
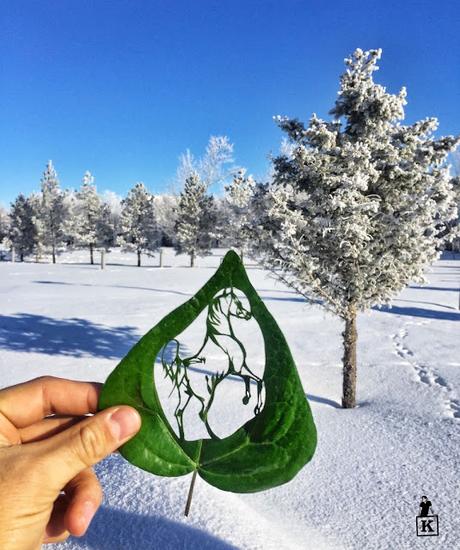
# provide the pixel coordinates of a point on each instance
(372, 464)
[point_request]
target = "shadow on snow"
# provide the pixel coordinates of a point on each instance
(323, 400)
(116, 529)
(426, 303)
(72, 337)
(420, 312)
(441, 288)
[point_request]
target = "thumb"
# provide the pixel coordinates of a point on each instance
(66, 454)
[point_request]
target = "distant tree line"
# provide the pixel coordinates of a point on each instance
(192, 220)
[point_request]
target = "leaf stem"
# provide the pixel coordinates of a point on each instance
(190, 494)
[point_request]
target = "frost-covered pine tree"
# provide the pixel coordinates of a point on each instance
(52, 212)
(23, 233)
(92, 219)
(196, 219)
(138, 228)
(355, 213)
(86, 214)
(237, 223)
(105, 229)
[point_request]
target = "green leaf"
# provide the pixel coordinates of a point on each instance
(266, 451)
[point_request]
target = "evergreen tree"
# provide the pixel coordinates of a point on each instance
(196, 219)
(236, 224)
(105, 229)
(356, 212)
(92, 220)
(138, 226)
(23, 230)
(52, 213)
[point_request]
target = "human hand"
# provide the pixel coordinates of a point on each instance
(47, 487)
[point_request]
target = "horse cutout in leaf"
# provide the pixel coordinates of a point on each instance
(219, 328)
(267, 450)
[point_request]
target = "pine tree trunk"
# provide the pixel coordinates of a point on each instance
(138, 258)
(350, 336)
(91, 253)
(54, 253)
(192, 259)
(22, 257)
(242, 256)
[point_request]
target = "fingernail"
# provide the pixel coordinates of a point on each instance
(124, 422)
(88, 509)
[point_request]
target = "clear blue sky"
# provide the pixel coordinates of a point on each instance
(122, 87)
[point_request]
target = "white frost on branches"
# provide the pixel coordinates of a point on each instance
(22, 231)
(52, 212)
(196, 219)
(236, 226)
(91, 217)
(357, 208)
(214, 168)
(139, 231)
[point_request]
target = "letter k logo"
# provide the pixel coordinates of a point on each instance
(426, 526)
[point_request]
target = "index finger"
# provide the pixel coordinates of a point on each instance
(32, 401)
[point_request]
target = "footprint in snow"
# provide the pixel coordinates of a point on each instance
(425, 374)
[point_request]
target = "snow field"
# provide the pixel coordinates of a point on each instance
(363, 486)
